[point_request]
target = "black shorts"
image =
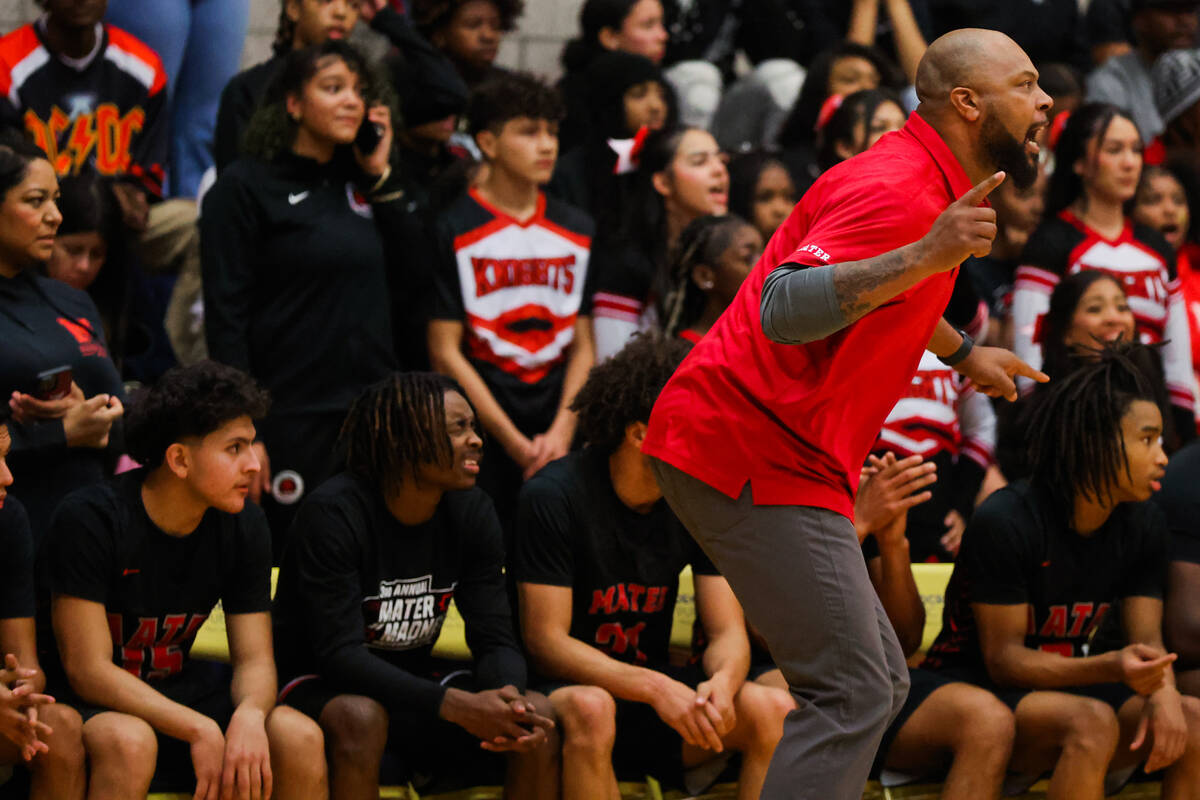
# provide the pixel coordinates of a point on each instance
(1114, 694)
(923, 682)
(434, 754)
(646, 745)
(204, 688)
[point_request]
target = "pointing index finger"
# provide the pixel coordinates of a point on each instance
(979, 192)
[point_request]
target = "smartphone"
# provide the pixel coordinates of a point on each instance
(53, 384)
(368, 138)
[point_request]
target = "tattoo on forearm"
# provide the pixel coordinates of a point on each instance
(858, 284)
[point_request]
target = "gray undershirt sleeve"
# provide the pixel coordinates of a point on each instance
(799, 304)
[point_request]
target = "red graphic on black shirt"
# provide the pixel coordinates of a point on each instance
(626, 597)
(81, 329)
(154, 650)
(616, 638)
(1070, 625)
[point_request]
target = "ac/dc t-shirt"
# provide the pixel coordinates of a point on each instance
(157, 589)
(622, 566)
(1179, 499)
(16, 567)
(518, 288)
(105, 113)
(1019, 549)
(362, 597)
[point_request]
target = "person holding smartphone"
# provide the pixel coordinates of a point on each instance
(56, 375)
(295, 264)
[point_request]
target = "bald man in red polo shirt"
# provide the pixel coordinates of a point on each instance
(759, 438)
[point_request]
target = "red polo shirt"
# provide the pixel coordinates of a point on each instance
(797, 421)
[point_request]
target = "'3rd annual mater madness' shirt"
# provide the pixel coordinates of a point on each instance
(622, 566)
(1019, 550)
(104, 112)
(518, 288)
(157, 589)
(362, 597)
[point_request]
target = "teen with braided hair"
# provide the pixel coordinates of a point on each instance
(375, 556)
(1042, 563)
(713, 256)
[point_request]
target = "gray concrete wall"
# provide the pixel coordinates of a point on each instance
(535, 45)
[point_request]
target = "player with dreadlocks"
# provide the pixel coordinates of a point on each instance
(1045, 560)
(375, 557)
(713, 256)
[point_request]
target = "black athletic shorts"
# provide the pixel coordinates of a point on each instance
(646, 745)
(205, 687)
(1114, 694)
(434, 754)
(923, 682)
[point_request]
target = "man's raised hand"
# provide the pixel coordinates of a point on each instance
(964, 229)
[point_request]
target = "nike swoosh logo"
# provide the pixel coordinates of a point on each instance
(296, 198)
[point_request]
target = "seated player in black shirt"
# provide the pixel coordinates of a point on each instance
(34, 730)
(376, 554)
(137, 565)
(1180, 501)
(598, 556)
(1043, 562)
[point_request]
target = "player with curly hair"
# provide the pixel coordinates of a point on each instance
(137, 565)
(597, 562)
(376, 555)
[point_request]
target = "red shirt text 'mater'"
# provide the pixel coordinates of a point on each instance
(797, 421)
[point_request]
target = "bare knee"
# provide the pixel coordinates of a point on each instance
(762, 710)
(297, 744)
(1093, 730)
(122, 748)
(588, 717)
(66, 753)
(356, 729)
(991, 724)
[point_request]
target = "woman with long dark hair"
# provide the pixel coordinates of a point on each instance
(295, 262)
(843, 69)
(858, 121)
(55, 369)
(626, 93)
(1098, 166)
(761, 191)
(627, 26)
(681, 175)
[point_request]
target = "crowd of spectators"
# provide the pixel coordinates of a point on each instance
(391, 317)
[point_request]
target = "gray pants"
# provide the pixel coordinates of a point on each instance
(800, 576)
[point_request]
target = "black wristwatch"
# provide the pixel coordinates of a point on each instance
(964, 350)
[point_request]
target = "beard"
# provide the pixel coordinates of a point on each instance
(1008, 153)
